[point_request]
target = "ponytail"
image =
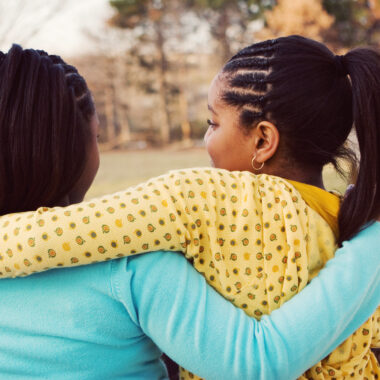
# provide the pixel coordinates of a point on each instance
(362, 203)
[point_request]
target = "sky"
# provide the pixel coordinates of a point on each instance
(66, 27)
(72, 27)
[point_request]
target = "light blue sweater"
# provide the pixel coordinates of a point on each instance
(110, 320)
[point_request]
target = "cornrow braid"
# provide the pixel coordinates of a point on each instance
(238, 99)
(81, 93)
(247, 81)
(250, 81)
(77, 84)
(248, 117)
(247, 63)
(69, 69)
(56, 60)
(262, 49)
(265, 51)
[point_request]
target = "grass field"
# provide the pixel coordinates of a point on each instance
(119, 170)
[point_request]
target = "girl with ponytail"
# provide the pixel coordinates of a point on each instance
(362, 203)
(259, 226)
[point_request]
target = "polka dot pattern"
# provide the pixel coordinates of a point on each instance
(254, 239)
(353, 359)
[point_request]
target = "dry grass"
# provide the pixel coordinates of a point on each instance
(119, 170)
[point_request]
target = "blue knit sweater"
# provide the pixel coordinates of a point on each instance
(111, 320)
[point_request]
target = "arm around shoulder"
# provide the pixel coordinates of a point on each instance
(208, 336)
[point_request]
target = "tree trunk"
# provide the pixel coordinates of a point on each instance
(110, 100)
(221, 34)
(162, 91)
(125, 134)
(184, 111)
(177, 9)
(373, 30)
(109, 109)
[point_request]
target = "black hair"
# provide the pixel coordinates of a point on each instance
(314, 97)
(45, 114)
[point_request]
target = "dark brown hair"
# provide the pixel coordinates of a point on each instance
(45, 114)
(314, 97)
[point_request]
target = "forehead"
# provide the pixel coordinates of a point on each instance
(216, 90)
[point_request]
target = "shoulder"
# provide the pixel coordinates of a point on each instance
(142, 281)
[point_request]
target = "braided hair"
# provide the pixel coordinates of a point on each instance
(45, 114)
(314, 97)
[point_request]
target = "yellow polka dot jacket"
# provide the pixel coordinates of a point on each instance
(257, 239)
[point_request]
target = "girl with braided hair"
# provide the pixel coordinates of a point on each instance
(43, 154)
(257, 238)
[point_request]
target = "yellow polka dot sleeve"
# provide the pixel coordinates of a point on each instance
(213, 216)
(253, 238)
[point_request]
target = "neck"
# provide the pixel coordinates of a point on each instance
(308, 179)
(309, 176)
(65, 201)
(69, 199)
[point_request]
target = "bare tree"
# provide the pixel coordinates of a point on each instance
(110, 89)
(150, 15)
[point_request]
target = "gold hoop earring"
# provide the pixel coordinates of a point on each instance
(253, 164)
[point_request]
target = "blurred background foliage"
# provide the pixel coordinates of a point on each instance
(154, 92)
(153, 61)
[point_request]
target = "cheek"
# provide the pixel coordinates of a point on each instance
(210, 142)
(206, 137)
(216, 148)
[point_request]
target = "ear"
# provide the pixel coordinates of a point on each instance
(267, 139)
